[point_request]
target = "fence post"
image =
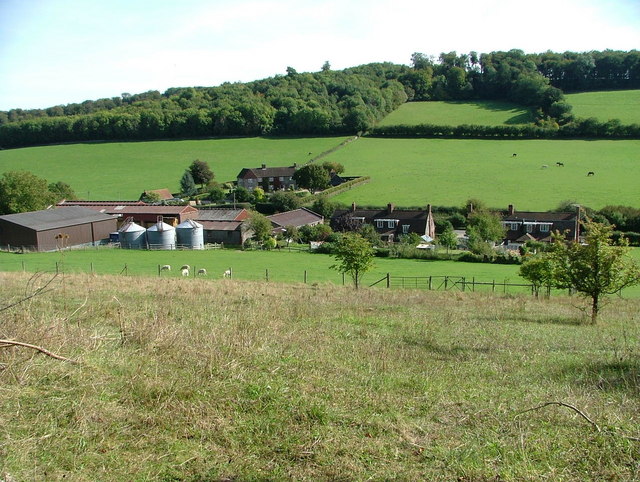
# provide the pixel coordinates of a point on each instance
(388, 280)
(57, 269)
(430, 284)
(342, 279)
(23, 266)
(504, 286)
(446, 282)
(266, 274)
(473, 284)
(493, 286)
(91, 267)
(464, 284)
(158, 270)
(305, 273)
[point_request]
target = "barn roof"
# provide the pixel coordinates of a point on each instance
(222, 214)
(56, 218)
(297, 217)
(264, 171)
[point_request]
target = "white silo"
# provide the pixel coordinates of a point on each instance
(161, 236)
(132, 236)
(190, 235)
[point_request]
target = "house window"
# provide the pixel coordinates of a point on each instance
(379, 223)
(544, 228)
(529, 228)
(514, 226)
(270, 179)
(405, 228)
(259, 179)
(281, 178)
(391, 224)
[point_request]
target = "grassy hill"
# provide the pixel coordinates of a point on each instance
(123, 170)
(241, 380)
(414, 172)
(604, 105)
(408, 172)
(481, 112)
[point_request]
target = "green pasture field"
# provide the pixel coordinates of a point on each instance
(480, 112)
(123, 170)
(447, 172)
(279, 265)
(605, 105)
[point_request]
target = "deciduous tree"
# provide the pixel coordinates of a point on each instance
(354, 256)
(594, 269)
(22, 191)
(312, 176)
(201, 172)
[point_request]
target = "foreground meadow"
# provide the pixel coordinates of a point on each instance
(231, 380)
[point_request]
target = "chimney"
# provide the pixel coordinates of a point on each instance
(390, 208)
(264, 167)
(511, 210)
(353, 207)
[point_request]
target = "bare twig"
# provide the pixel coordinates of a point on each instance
(562, 404)
(38, 291)
(78, 309)
(6, 343)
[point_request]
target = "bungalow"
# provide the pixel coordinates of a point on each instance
(268, 178)
(53, 229)
(390, 223)
(523, 226)
(297, 217)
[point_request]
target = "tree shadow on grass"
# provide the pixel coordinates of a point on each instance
(444, 352)
(538, 319)
(615, 376)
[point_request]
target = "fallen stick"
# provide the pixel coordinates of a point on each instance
(562, 404)
(5, 343)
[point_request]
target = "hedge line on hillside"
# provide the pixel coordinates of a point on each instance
(581, 128)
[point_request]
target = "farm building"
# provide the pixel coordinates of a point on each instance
(523, 226)
(52, 229)
(224, 225)
(163, 194)
(389, 223)
(140, 213)
(268, 178)
(297, 217)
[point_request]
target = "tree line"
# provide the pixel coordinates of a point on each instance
(329, 102)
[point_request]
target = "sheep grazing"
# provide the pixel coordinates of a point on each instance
(514, 155)
(591, 173)
(166, 267)
(186, 266)
(227, 274)
(544, 166)
(202, 272)
(185, 272)
(560, 164)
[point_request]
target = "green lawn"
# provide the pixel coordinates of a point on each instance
(446, 172)
(481, 112)
(279, 266)
(605, 105)
(124, 170)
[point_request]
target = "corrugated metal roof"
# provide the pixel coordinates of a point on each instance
(221, 225)
(56, 218)
(221, 215)
(297, 217)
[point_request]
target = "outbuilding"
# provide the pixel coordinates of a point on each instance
(53, 229)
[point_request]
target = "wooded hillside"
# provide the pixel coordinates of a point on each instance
(328, 102)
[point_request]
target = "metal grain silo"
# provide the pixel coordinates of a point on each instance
(161, 236)
(190, 235)
(132, 236)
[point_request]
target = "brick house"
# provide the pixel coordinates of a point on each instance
(268, 178)
(523, 226)
(389, 223)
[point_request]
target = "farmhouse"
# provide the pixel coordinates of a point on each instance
(523, 226)
(52, 229)
(297, 217)
(268, 178)
(389, 223)
(224, 225)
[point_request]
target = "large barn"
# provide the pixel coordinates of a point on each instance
(52, 229)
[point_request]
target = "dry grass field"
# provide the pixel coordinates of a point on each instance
(238, 380)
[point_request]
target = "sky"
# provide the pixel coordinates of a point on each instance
(56, 52)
